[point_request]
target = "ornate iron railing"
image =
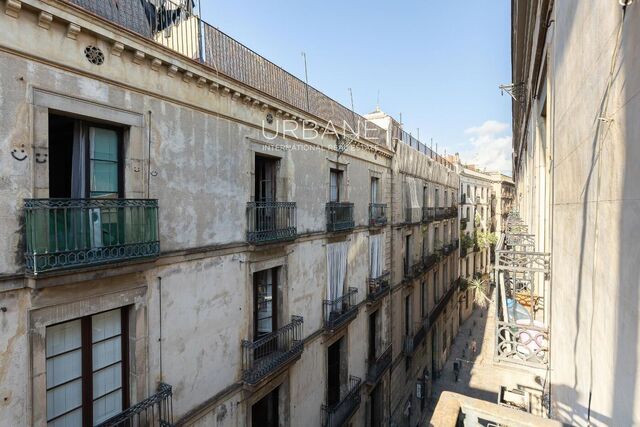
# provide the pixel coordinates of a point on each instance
(338, 311)
(523, 241)
(451, 212)
(428, 214)
(66, 233)
(379, 286)
(155, 410)
(522, 261)
(430, 261)
(527, 344)
(271, 221)
(441, 213)
(338, 414)
(379, 366)
(269, 353)
(339, 216)
(377, 214)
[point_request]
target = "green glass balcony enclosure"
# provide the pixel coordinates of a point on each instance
(68, 233)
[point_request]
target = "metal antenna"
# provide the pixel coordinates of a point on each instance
(306, 78)
(353, 112)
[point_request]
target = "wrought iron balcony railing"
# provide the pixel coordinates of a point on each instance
(430, 261)
(412, 215)
(451, 212)
(520, 241)
(66, 233)
(379, 286)
(413, 270)
(441, 213)
(522, 342)
(377, 214)
(379, 366)
(155, 410)
(339, 216)
(271, 221)
(339, 311)
(428, 214)
(269, 353)
(339, 414)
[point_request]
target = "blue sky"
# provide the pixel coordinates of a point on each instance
(439, 63)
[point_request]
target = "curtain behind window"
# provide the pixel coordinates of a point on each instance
(376, 255)
(336, 269)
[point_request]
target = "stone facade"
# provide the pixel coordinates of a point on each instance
(575, 109)
(196, 141)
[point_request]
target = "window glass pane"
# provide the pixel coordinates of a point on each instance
(104, 144)
(107, 380)
(107, 406)
(63, 337)
(104, 177)
(105, 325)
(265, 302)
(63, 368)
(72, 419)
(106, 352)
(64, 398)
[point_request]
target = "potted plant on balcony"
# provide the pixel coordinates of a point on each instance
(480, 290)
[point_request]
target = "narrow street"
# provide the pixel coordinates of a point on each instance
(480, 377)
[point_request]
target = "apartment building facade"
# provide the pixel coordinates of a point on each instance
(502, 200)
(186, 235)
(575, 108)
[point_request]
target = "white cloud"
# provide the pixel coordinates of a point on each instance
(491, 149)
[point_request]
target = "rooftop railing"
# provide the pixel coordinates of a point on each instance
(269, 353)
(339, 311)
(67, 233)
(176, 25)
(155, 410)
(339, 414)
(271, 221)
(413, 142)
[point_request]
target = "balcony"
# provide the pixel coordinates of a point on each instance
(156, 410)
(378, 287)
(463, 223)
(68, 233)
(522, 332)
(451, 212)
(428, 214)
(414, 338)
(339, 414)
(377, 214)
(339, 311)
(268, 354)
(430, 261)
(448, 248)
(412, 215)
(269, 222)
(440, 213)
(414, 270)
(339, 216)
(378, 367)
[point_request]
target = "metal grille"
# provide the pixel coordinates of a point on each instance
(337, 415)
(270, 352)
(65, 233)
(339, 216)
(271, 221)
(377, 214)
(155, 410)
(340, 310)
(379, 286)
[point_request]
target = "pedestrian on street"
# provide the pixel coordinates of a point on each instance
(474, 346)
(456, 370)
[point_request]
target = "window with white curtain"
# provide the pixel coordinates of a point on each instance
(84, 357)
(376, 255)
(336, 269)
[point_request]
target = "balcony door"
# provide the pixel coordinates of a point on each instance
(334, 372)
(265, 192)
(335, 185)
(265, 302)
(264, 413)
(373, 336)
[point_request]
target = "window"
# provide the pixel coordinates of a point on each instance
(468, 214)
(86, 369)
(374, 190)
(445, 237)
(446, 199)
(334, 372)
(436, 197)
(376, 407)
(423, 299)
(264, 413)
(373, 336)
(85, 159)
(436, 294)
(335, 185)
(336, 269)
(376, 255)
(265, 179)
(265, 302)
(407, 253)
(469, 190)
(425, 196)
(425, 244)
